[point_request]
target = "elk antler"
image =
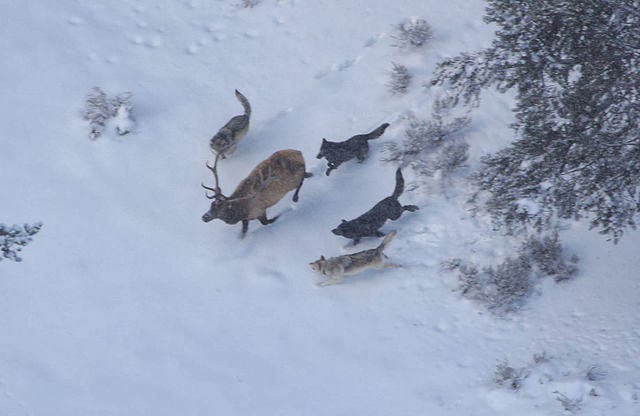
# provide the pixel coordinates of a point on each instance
(217, 193)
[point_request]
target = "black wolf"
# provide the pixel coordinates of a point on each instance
(337, 153)
(369, 223)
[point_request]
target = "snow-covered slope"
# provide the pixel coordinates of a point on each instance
(126, 303)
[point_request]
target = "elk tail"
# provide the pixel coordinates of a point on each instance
(245, 103)
(399, 189)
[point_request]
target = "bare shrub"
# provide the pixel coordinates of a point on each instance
(101, 111)
(97, 111)
(399, 79)
(249, 4)
(506, 375)
(548, 256)
(570, 405)
(505, 287)
(14, 238)
(412, 33)
(431, 146)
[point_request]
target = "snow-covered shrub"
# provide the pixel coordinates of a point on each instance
(122, 107)
(97, 111)
(506, 375)
(571, 405)
(547, 379)
(595, 373)
(431, 147)
(100, 111)
(547, 254)
(399, 79)
(248, 4)
(14, 238)
(504, 288)
(413, 32)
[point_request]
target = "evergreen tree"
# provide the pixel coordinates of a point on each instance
(575, 68)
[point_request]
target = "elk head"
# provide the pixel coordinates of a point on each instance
(219, 203)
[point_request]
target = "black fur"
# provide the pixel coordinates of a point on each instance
(337, 153)
(369, 223)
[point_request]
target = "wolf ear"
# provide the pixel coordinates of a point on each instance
(343, 221)
(324, 140)
(322, 258)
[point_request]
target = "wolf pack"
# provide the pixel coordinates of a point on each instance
(285, 171)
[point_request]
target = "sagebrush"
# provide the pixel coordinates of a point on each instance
(399, 79)
(430, 147)
(14, 238)
(100, 111)
(504, 288)
(412, 33)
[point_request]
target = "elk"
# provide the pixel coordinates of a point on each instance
(265, 186)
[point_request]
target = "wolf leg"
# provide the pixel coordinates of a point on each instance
(410, 208)
(332, 281)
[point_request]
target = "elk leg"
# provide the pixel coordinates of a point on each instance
(266, 221)
(295, 194)
(245, 227)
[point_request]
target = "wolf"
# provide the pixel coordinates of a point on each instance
(369, 223)
(224, 142)
(337, 153)
(350, 264)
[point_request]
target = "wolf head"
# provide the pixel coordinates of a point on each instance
(222, 140)
(341, 229)
(319, 265)
(323, 149)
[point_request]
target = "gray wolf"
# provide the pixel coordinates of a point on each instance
(224, 142)
(350, 264)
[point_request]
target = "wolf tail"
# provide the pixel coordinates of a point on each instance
(245, 103)
(399, 189)
(377, 132)
(387, 240)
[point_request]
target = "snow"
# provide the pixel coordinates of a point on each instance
(125, 303)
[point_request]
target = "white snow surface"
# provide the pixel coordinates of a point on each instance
(126, 303)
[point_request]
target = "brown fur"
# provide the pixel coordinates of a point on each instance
(267, 184)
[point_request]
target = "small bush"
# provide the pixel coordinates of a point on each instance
(508, 376)
(400, 78)
(97, 111)
(548, 256)
(14, 238)
(433, 146)
(568, 404)
(595, 373)
(412, 33)
(101, 111)
(504, 288)
(248, 4)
